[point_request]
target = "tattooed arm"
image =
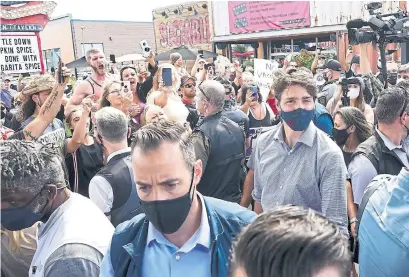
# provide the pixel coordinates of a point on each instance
(48, 110)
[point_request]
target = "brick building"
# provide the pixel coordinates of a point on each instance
(71, 38)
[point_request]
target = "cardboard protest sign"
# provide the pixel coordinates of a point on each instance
(19, 54)
(263, 73)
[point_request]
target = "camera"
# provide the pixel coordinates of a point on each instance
(344, 84)
(145, 48)
(386, 30)
(208, 65)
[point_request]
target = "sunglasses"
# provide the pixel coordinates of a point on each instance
(201, 90)
(189, 85)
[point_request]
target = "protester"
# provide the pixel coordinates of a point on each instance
(84, 154)
(7, 93)
(197, 68)
(272, 101)
(166, 97)
(219, 143)
(153, 114)
(355, 96)
(94, 83)
(383, 245)
(332, 73)
(384, 152)
(177, 61)
(182, 233)
(17, 251)
(229, 109)
(258, 112)
(403, 73)
(72, 234)
(188, 90)
(113, 188)
(294, 163)
(291, 241)
(33, 97)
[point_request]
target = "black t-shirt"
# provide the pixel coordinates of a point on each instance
(82, 166)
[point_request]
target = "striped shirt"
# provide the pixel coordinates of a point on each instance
(311, 175)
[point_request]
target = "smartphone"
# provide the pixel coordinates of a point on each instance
(201, 54)
(59, 70)
(112, 58)
(126, 86)
(167, 77)
(25, 74)
(146, 50)
(254, 93)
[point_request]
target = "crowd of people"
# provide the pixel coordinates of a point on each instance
(166, 173)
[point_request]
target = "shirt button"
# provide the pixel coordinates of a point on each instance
(177, 257)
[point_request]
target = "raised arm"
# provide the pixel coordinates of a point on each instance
(49, 110)
(80, 131)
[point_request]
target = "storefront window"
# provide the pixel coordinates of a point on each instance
(51, 57)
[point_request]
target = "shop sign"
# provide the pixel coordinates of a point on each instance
(253, 16)
(21, 27)
(19, 54)
(188, 28)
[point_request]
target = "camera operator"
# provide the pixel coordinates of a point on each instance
(332, 72)
(350, 93)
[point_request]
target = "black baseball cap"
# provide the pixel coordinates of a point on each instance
(356, 60)
(333, 65)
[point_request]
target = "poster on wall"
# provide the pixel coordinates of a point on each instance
(19, 54)
(186, 25)
(253, 16)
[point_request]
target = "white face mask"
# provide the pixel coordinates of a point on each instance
(353, 93)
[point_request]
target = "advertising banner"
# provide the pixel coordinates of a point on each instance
(253, 16)
(19, 54)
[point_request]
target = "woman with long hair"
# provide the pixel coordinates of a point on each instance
(356, 87)
(259, 113)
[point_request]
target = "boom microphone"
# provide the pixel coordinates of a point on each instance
(356, 24)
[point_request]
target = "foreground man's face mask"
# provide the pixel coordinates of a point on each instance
(299, 119)
(15, 219)
(167, 216)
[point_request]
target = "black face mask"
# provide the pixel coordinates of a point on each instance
(392, 78)
(340, 136)
(167, 216)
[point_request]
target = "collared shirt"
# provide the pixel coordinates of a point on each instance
(362, 171)
(164, 259)
(383, 231)
(312, 174)
(100, 191)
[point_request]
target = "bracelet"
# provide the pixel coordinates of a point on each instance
(353, 220)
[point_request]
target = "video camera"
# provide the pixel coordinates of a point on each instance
(391, 30)
(383, 30)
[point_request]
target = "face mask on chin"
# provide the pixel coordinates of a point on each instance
(167, 216)
(298, 120)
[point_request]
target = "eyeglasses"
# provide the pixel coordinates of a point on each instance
(189, 85)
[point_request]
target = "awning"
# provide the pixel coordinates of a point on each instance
(81, 62)
(130, 58)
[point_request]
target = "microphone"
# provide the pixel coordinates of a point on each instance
(356, 24)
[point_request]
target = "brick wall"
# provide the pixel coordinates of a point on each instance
(119, 38)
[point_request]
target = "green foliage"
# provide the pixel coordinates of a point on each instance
(239, 48)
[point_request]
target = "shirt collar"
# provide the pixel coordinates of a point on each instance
(306, 138)
(200, 237)
(388, 143)
(113, 154)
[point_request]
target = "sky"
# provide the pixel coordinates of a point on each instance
(125, 10)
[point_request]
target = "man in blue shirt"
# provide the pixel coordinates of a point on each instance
(182, 233)
(7, 93)
(383, 231)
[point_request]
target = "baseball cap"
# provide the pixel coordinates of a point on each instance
(185, 78)
(333, 65)
(355, 59)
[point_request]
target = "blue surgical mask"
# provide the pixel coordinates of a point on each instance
(15, 219)
(299, 119)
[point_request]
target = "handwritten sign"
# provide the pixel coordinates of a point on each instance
(19, 54)
(263, 73)
(251, 16)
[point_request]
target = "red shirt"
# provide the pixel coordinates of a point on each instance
(272, 102)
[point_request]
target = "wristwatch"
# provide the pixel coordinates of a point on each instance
(353, 220)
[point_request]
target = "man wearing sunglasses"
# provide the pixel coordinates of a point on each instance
(188, 91)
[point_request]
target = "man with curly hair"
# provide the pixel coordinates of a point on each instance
(307, 167)
(73, 234)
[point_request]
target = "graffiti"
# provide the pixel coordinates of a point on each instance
(189, 31)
